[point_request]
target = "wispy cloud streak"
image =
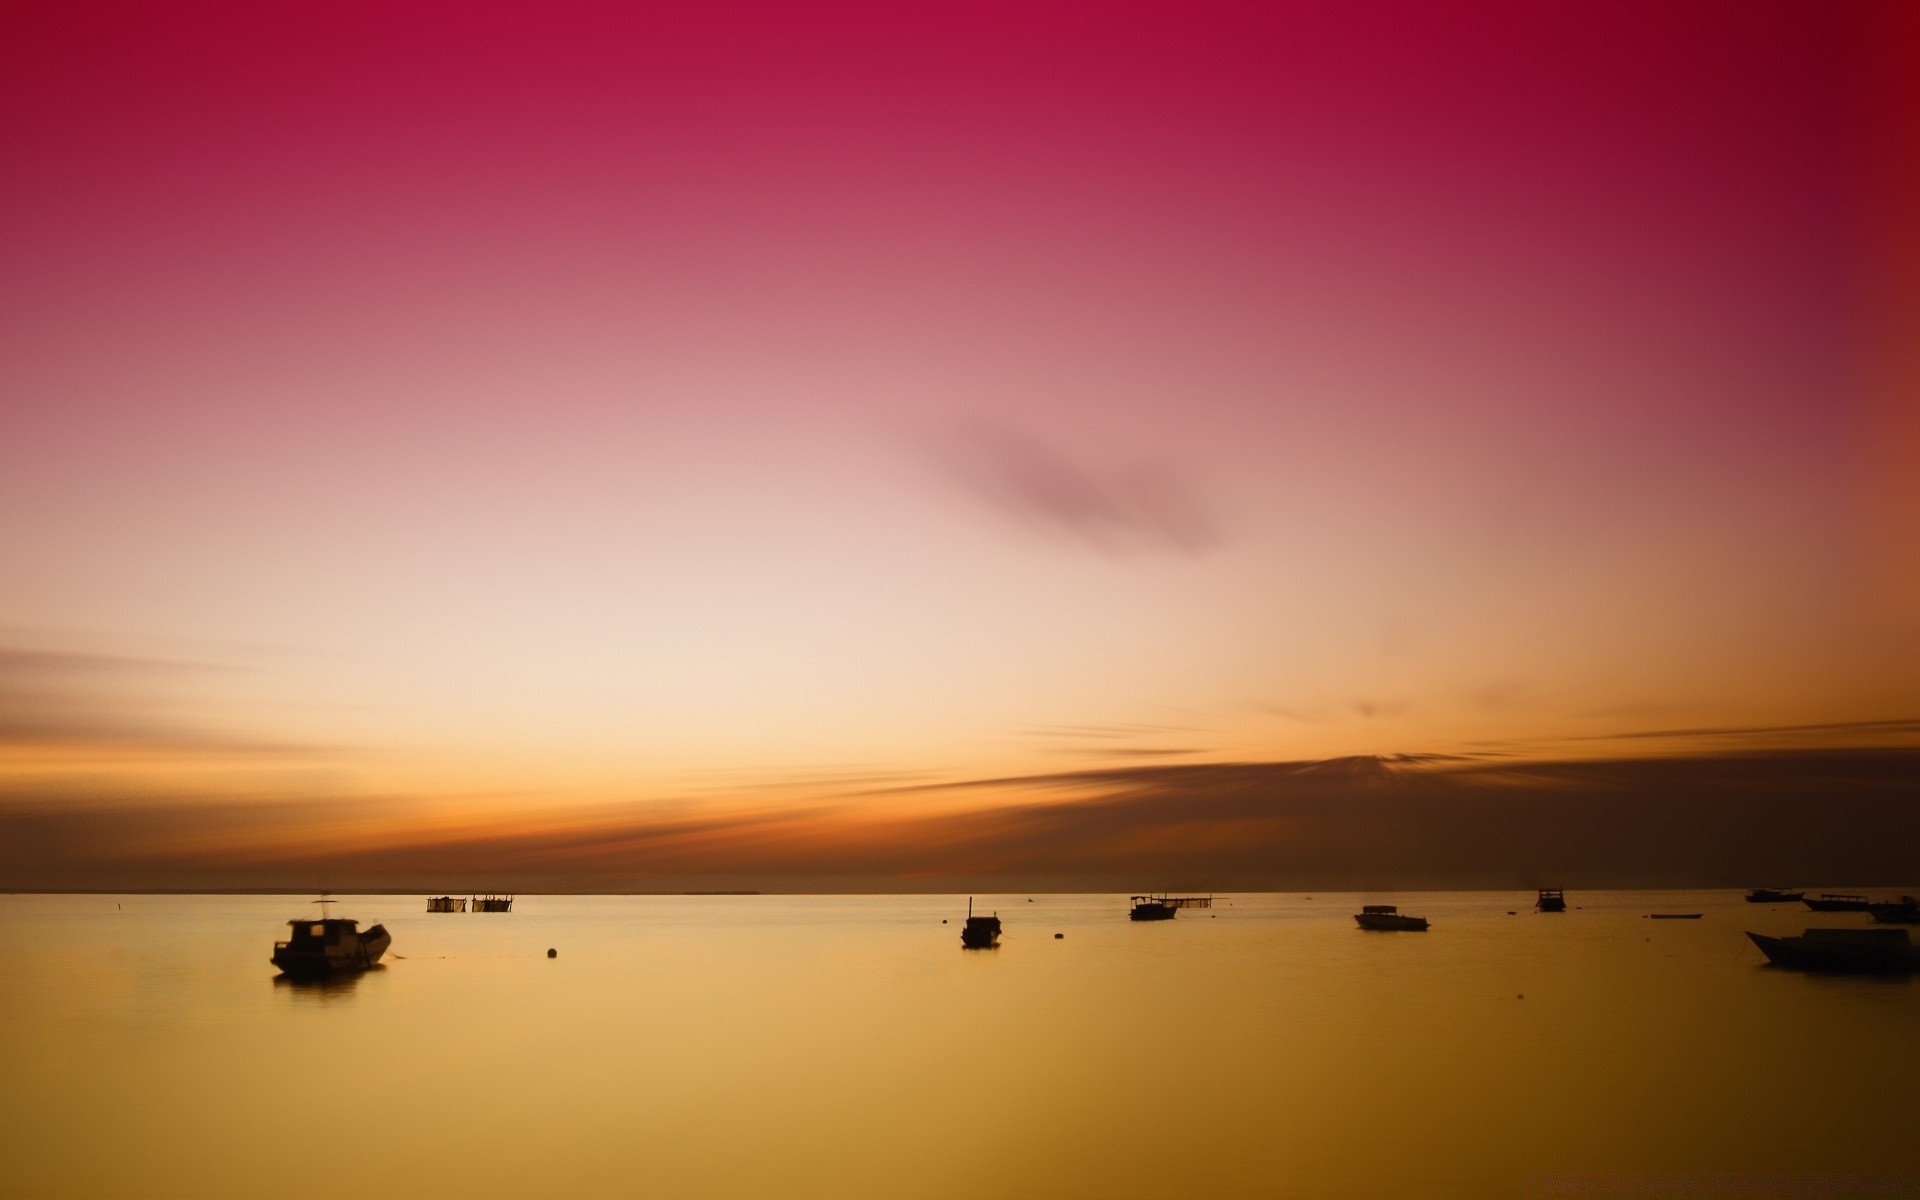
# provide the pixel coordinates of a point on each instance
(1144, 505)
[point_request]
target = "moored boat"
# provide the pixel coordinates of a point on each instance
(980, 933)
(1151, 908)
(1905, 911)
(1835, 902)
(1674, 916)
(446, 904)
(1551, 900)
(329, 946)
(1773, 896)
(493, 903)
(1853, 951)
(1387, 917)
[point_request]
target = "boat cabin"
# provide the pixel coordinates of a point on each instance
(1380, 909)
(1551, 900)
(315, 935)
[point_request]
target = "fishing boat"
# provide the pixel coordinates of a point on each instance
(1152, 908)
(1905, 911)
(446, 904)
(980, 933)
(1674, 916)
(493, 904)
(1551, 900)
(1773, 896)
(1854, 951)
(1387, 917)
(329, 946)
(1835, 902)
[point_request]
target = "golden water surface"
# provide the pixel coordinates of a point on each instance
(784, 1046)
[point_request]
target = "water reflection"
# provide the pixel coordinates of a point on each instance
(324, 989)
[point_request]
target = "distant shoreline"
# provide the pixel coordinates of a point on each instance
(1306, 892)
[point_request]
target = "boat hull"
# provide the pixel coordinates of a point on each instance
(1889, 953)
(1391, 923)
(1769, 896)
(1152, 912)
(1835, 904)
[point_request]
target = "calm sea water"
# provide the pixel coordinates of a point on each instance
(781, 1046)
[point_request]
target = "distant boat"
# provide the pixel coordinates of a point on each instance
(1906, 911)
(1386, 917)
(1854, 951)
(1674, 916)
(493, 904)
(980, 933)
(1152, 908)
(1551, 900)
(446, 904)
(330, 946)
(1773, 896)
(1836, 902)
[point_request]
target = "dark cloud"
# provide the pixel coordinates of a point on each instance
(1117, 509)
(1837, 816)
(1896, 728)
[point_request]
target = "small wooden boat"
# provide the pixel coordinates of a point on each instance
(1835, 902)
(1773, 896)
(1674, 916)
(1386, 918)
(1905, 911)
(980, 933)
(1850, 951)
(1152, 908)
(329, 946)
(446, 904)
(1551, 900)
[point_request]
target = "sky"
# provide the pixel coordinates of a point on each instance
(605, 442)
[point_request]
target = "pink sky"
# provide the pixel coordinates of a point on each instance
(623, 404)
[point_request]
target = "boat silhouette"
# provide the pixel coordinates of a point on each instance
(1905, 911)
(1848, 951)
(329, 946)
(980, 933)
(1387, 917)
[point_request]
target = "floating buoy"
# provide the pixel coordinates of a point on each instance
(943, 920)
(1058, 936)
(1521, 996)
(551, 953)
